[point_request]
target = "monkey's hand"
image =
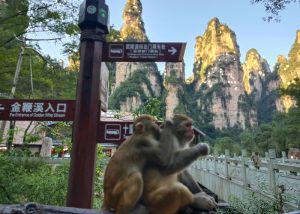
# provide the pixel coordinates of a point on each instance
(203, 201)
(202, 149)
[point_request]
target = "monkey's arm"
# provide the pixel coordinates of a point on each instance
(150, 149)
(186, 178)
(167, 144)
(183, 158)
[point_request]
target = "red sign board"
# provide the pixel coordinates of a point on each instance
(37, 110)
(114, 131)
(117, 131)
(143, 52)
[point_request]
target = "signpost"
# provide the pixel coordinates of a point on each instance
(92, 86)
(93, 22)
(37, 110)
(114, 131)
(143, 52)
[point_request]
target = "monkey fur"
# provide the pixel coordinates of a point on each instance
(163, 193)
(123, 180)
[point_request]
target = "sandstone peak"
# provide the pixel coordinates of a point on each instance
(218, 39)
(298, 37)
(133, 24)
(253, 61)
(281, 59)
(254, 71)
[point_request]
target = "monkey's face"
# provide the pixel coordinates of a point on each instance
(185, 132)
(148, 127)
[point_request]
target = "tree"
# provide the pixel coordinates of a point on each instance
(221, 144)
(293, 90)
(273, 7)
(152, 107)
(22, 24)
(51, 18)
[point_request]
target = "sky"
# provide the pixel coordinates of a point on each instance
(183, 21)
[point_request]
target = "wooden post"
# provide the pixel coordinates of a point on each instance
(82, 167)
(94, 26)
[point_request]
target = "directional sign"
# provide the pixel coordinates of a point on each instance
(37, 110)
(143, 52)
(114, 131)
(110, 131)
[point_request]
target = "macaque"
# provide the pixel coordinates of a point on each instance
(123, 180)
(163, 193)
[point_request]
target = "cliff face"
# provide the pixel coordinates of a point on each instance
(222, 92)
(288, 70)
(173, 82)
(143, 79)
(255, 69)
(217, 39)
(133, 25)
(218, 77)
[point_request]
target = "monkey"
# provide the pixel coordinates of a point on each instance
(163, 193)
(123, 180)
(203, 201)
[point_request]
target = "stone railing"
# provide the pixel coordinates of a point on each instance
(228, 176)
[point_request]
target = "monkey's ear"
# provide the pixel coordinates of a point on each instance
(168, 124)
(139, 127)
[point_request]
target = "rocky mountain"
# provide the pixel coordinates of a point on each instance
(218, 78)
(217, 39)
(222, 93)
(255, 69)
(174, 76)
(288, 70)
(134, 82)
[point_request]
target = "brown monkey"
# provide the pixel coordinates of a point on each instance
(123, 180)
(163, 193)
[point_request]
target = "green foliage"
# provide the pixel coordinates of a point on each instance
(132, 87)
(280, 134)
(172, 79)
(18, 22)
(253, 203)
(23, 181)
(273, 8)
(102, 161)
(293, 90)
(221, 144)
(57, 17)
(152, 106)
(114, 35)
(26, 180)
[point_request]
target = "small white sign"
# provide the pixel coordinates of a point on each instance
(112, 132)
